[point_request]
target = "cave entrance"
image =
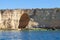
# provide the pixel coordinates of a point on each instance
(24, 20)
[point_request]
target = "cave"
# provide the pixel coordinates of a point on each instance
(24, 20)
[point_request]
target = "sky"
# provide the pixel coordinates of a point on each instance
(13, 4)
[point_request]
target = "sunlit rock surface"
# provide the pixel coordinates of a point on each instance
(32, 24)
(9, 18)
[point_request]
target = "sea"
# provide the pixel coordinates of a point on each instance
(29, 35)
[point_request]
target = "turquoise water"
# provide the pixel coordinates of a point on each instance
(29, 35)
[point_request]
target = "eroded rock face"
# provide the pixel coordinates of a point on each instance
(24, 20)
(10, 19)
(32, 24)
(14, 19)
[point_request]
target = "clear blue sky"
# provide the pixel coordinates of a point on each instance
(12, 4)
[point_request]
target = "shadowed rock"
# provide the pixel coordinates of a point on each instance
(24, 20)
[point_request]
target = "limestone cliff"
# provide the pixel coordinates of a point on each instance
(9, 19)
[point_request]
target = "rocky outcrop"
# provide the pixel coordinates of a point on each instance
(10, 19)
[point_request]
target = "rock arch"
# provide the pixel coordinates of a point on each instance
(24, 20)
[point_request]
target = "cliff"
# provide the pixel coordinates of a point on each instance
(10, 18)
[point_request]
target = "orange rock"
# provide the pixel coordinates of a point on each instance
(24, 20)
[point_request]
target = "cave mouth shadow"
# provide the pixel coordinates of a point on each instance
(24, 20)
